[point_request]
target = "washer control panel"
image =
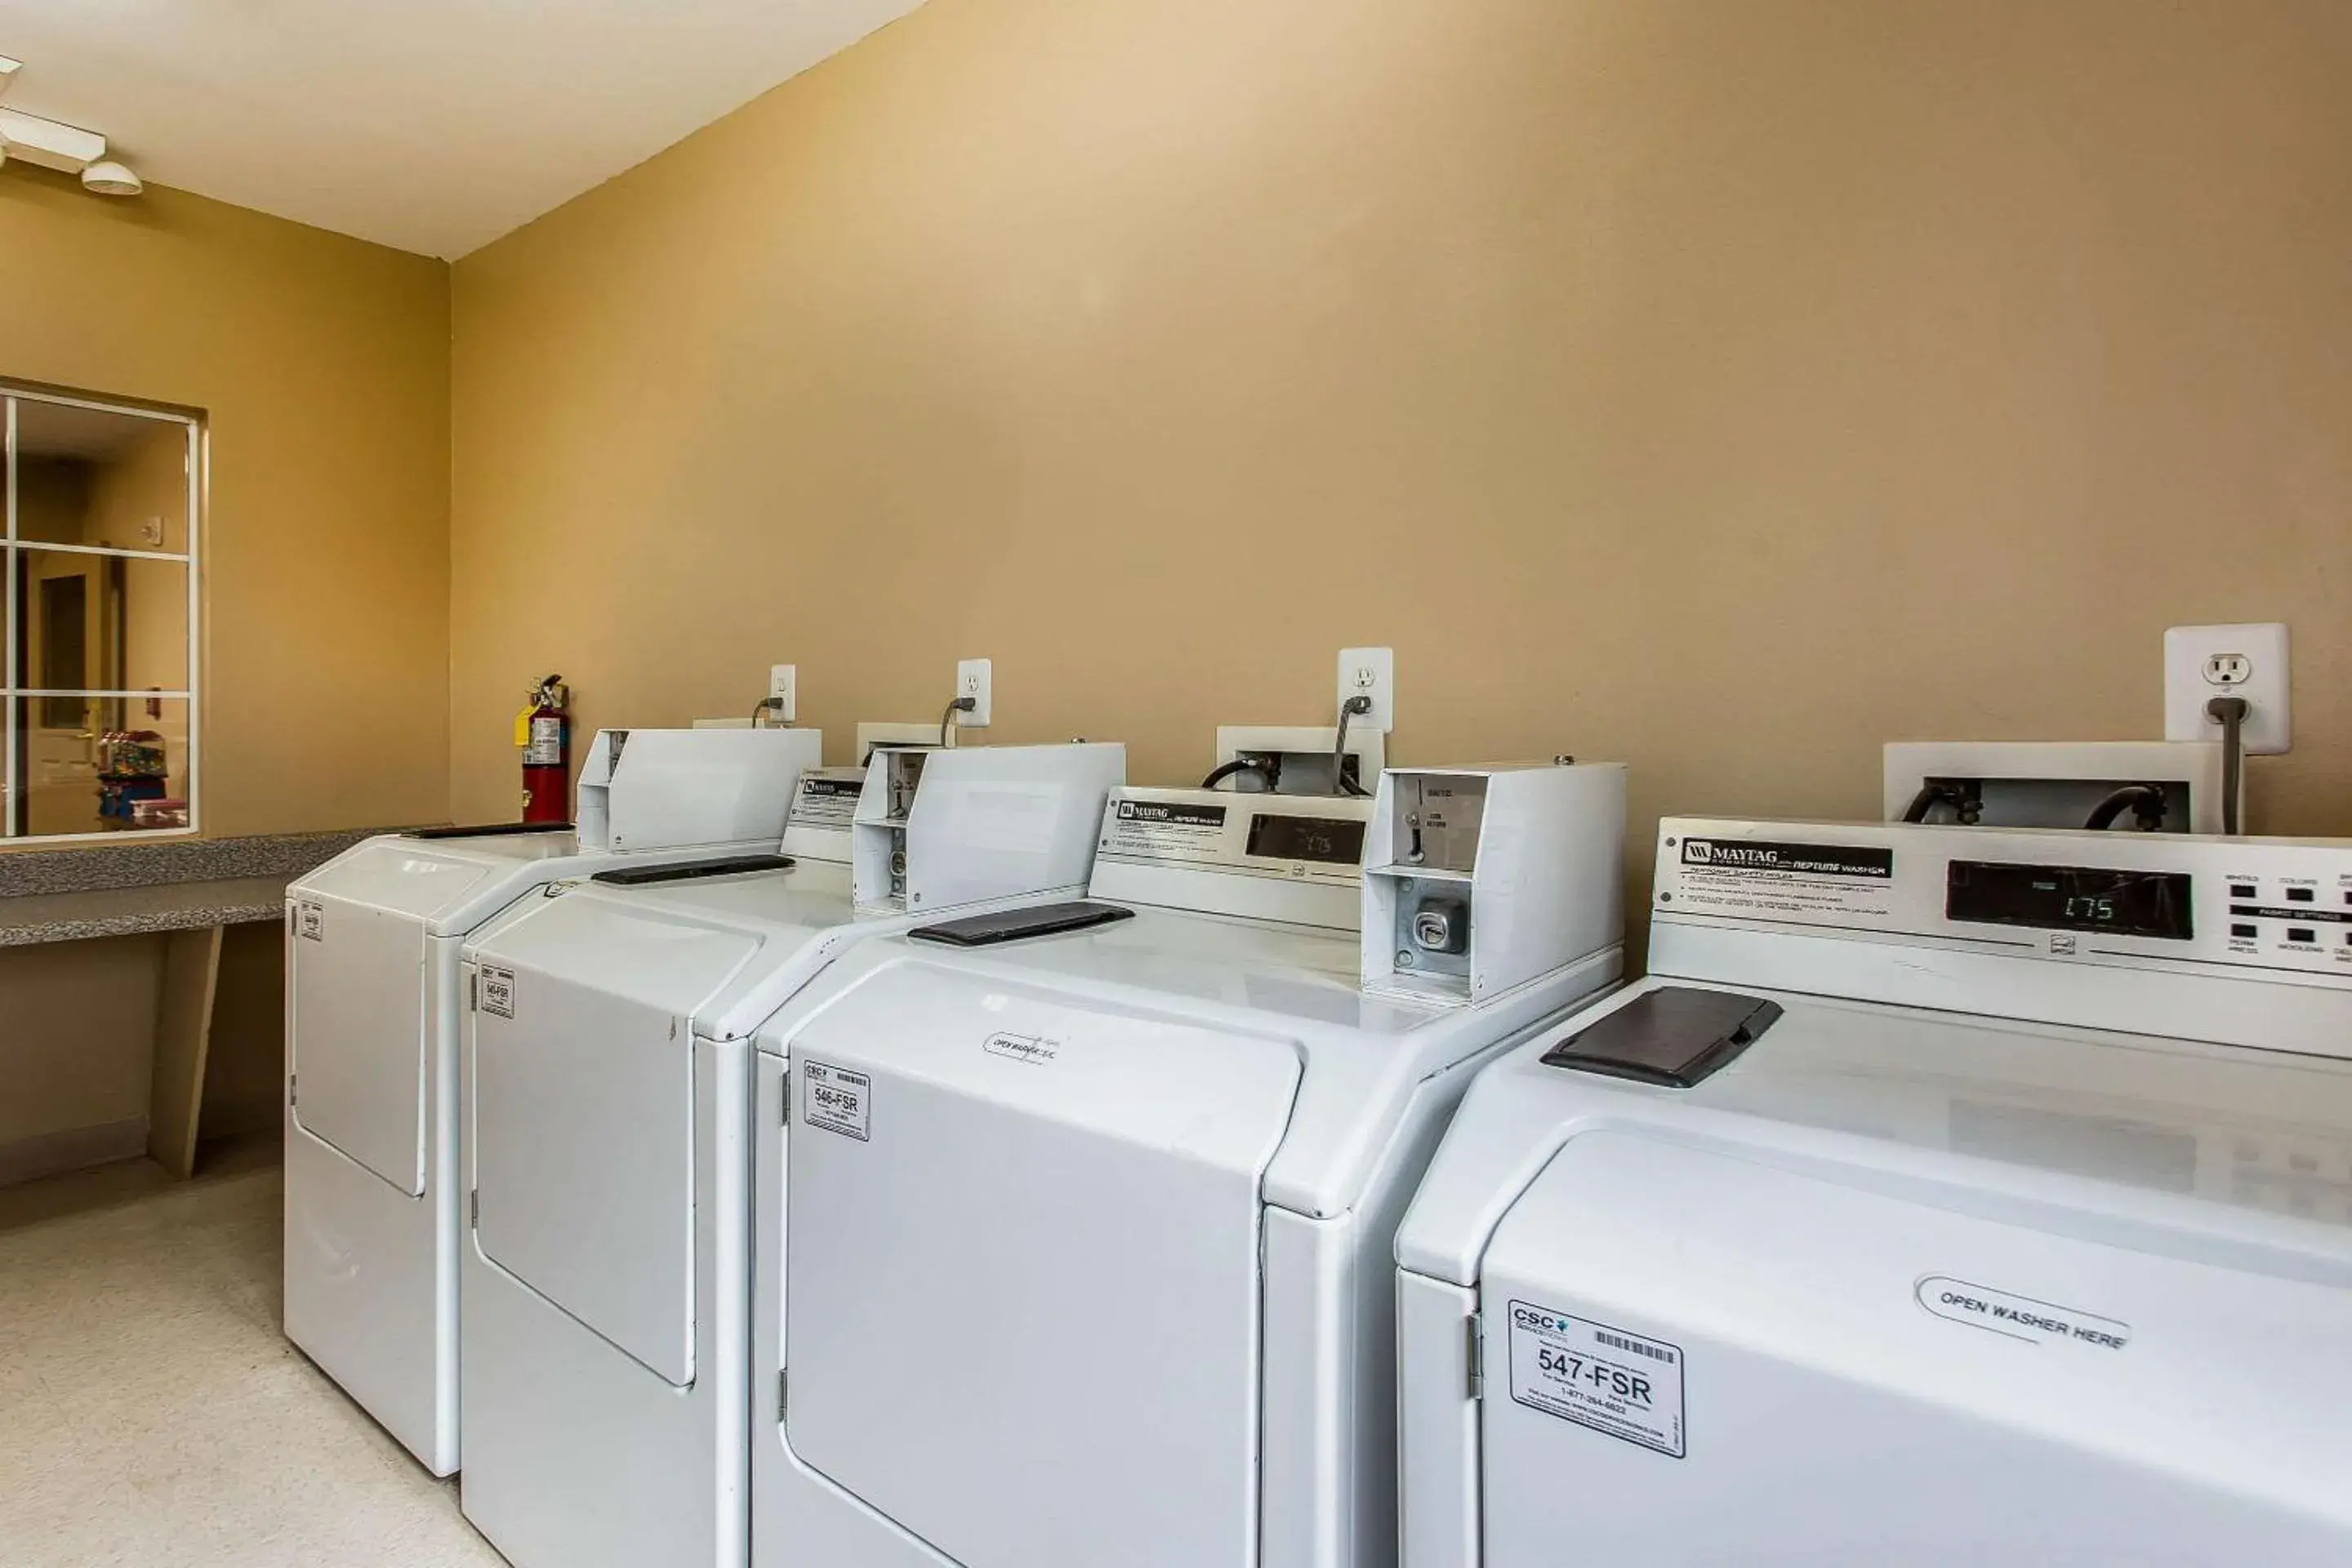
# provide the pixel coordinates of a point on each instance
(2268, 903)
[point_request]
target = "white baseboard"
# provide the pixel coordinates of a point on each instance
(74, 1149)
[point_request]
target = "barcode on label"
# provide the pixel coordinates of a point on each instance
(1634, 1347)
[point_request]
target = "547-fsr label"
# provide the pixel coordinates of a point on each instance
(1626, 1384)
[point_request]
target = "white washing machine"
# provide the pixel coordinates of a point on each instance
(1073, 1229)
(372, 1006)
(607, 1138)
(1945, 1195)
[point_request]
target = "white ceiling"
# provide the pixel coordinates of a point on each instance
(433, 125)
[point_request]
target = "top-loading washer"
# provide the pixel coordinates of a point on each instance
(1072, 1227)
(1944, 1196)
(372, 1004)
(606, 1139)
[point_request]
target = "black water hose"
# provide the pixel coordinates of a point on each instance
(2144, 801)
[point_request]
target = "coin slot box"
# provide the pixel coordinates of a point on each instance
(1479, 880)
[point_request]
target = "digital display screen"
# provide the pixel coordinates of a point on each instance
(2070, 897)
(1334, 840)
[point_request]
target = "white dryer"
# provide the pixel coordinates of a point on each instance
(372, 1006)
(1073, 1227)
(1945, 1195)
(607, 1137)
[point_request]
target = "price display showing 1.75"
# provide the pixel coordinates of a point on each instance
(1625, 1384)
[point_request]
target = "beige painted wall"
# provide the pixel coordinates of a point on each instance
(1723, 388)
(323, 365)
(74, 1049)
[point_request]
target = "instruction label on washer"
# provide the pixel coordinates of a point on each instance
(310, 920)
(2017, 1317)
(497, 992)
(1626, 1385)
(1753, 877)
(828, 799)
(1164, 830)
(837, 1099)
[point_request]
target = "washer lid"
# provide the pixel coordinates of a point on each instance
(2252, 1129)
(2216, 1138)
(626, 941)
(429, 879)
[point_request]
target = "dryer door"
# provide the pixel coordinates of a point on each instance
(1022, 1268)
(357, 986)
(1705, 1356)
(584, 1115)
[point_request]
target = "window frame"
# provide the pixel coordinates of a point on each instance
(15, 789)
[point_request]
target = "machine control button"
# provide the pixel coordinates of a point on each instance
(2301, 934)
(2246, 932)
(2301, 895)
(2241, 890)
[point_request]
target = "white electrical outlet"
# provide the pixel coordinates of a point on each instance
(2202, 663)
(784, 692)
(1370, 672)
(971, 680)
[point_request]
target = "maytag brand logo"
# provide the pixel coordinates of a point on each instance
(1170, 811)
(1027, 1048)
(1809, 859)
(1707, 852)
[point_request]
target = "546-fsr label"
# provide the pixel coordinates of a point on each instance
(837, 1099)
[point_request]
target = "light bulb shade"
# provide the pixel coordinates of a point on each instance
(111, 179)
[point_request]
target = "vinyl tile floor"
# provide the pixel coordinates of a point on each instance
(152, 1414)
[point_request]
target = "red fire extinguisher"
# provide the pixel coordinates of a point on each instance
(543, 730)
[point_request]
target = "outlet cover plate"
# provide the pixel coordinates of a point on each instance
(2249, 661)
(972, 680)
(1370, 672)
(784, 692)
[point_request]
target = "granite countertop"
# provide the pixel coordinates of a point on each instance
(29, 919)
(124, 889)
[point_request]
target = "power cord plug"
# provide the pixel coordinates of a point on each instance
(2230, 712)
(961, 705)
(1359, 703)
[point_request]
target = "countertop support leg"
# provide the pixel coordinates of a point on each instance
(184, 1032)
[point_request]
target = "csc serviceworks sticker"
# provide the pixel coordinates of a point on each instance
(837, 1099)
(497, 992)
(1625, 1384)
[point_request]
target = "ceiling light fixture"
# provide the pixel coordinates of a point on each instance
(67, 149)
(111, 179)
(8, 69)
